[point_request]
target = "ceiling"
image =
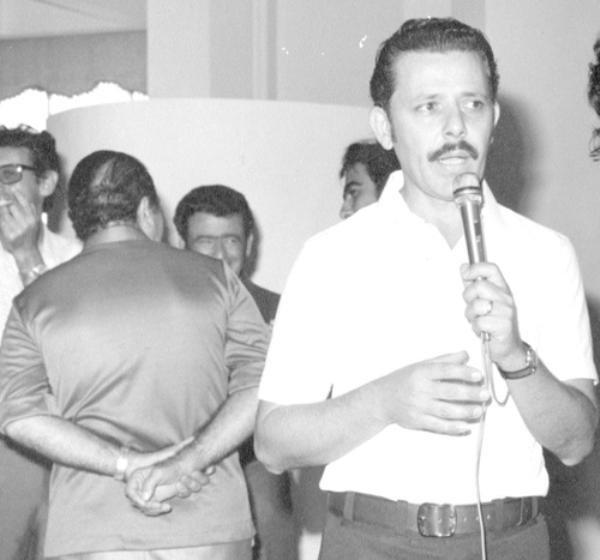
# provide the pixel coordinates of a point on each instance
(38, 18)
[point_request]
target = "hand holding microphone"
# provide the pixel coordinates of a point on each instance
(490, 306)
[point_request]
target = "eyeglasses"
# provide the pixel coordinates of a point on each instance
(13, 172)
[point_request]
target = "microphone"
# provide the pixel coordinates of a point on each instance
(468, 196)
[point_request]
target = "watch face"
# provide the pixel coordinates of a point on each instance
(529, 369)
(531, 358)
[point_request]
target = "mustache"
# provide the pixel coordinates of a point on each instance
(462, 145)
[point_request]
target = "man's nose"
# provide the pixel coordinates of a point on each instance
(455, 122)
(347, 208)
(217, 250)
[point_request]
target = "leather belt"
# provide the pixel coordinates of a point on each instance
(433, 520)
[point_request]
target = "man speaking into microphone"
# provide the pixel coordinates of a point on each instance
(445, 379)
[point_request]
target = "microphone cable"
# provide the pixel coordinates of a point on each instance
(488, 382)
(468, 196)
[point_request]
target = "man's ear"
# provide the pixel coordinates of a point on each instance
(496, 113)
(143, 211)
(249, 245)
(47, 183)
(148, 218)
(179, 243)
(382, 128)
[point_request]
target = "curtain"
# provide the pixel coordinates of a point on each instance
(73, 64)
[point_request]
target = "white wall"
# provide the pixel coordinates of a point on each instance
(284, 157)
(543, 49)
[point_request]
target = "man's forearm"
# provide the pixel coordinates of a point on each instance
(66, 443)
(233, 424)
(562, 416)
(442, 394)
(315, 434)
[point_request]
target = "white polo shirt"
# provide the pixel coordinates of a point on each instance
(383, 290)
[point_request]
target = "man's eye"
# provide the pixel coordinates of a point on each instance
(205, 241)
(475, 104)
(428, 107)
(232, 241)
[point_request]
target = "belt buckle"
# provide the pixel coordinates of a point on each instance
(436, 520)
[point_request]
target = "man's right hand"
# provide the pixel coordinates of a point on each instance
(19, 225)
(149, 486)
(442, 395)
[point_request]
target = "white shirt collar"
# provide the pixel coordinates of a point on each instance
(391, 197)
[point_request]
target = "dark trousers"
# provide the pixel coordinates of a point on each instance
(271, 504)
(23, 503)
(352, 540)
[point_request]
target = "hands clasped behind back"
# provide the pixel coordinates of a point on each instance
(442, 395)
(156, 478)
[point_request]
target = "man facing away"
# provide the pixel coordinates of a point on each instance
(366, 167)
(29, 173)
(111, 360)
(216, 220)
(407, 452)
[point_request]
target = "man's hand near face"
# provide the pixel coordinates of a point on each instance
(20, 226)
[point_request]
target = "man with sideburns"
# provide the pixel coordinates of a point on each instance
(415, 441)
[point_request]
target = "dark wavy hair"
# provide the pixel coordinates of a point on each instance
(217, 200)
(41, 146)
(107, 187)
(594, 99)
(378, 161)
(433, 35)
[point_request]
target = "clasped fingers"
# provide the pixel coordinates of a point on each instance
(193, 482)
(137, 495)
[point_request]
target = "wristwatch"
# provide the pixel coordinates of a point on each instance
(529, 369)
(34, 273)
(122, 464)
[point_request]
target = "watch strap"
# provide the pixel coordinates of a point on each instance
(122, 464)
(34, 273)
(529, 369)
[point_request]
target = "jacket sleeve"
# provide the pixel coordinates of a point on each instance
(24, 387)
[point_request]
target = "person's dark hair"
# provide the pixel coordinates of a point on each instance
(433, 35)
(41, 146)
(107, 187)
(594, 98)
(217, 200)
(378, 162)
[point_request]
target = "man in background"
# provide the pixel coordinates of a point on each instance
(366, 167)
(594, 99)
(130, 352)
(577, 491)
(29, 174)
(216, 220)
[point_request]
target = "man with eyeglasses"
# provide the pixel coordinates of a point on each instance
(29, 171)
